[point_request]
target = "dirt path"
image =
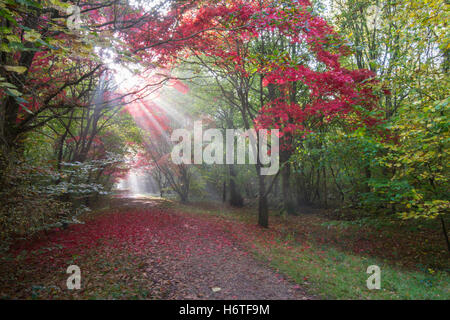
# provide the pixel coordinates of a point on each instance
(146, 252)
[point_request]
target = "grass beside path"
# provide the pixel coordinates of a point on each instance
(330, 258)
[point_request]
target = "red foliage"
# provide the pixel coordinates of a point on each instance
(222, 29)
(136, 232)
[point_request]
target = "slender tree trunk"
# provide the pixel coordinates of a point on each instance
(224, 192)
(183, 197)
(368, 175)
(236, 199)
(444, 230)
(62, 141)
(263, 210)
(317, 187)
(288, 203)
(337, 184)
(325, 190)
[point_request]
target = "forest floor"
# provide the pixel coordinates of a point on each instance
(141, 250)
(149, 248)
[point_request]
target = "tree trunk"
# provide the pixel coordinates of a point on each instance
(236, 199)
(444, 230)
(368, 176)
(288, 203)
(183, 198)
(224, 192)
(263, 210)
(325, 189)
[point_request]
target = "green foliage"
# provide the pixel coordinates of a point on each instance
(405, 168)
(420, 161)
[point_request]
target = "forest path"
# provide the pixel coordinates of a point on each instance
(206, 263)
(142, 250)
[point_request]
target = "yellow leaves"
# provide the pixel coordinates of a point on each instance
(13, 38)
(56, 42)
(424, 175)
(407, 215)
(31, 35)
(17, 69)
(59, 4)
(4, 47)
(417, 196)
(427, 210)
(84, 50)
